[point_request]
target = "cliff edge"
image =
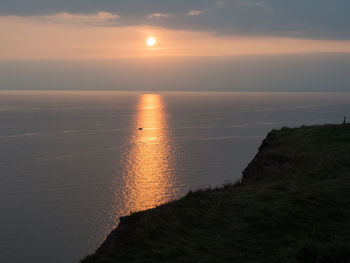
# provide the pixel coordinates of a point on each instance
(292, 205)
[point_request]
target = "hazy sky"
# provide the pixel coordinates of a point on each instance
(64, 31)
(293, 72)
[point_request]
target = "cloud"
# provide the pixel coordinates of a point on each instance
(221, 3)
(195, 12)
(252, 3)
(96, 19)
(318, 19)
(159, 15)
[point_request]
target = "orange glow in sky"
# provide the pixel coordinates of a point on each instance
(63, 37)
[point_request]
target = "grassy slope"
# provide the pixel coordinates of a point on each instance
(293, 205)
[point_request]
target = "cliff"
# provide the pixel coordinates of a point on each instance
(292, 205)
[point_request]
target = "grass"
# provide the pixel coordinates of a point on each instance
(292, 206)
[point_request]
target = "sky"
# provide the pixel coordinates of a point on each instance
(196, 32)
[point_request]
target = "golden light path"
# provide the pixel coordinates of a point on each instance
(146, 171)
(149, 170)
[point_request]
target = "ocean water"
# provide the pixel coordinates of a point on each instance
(72, 163)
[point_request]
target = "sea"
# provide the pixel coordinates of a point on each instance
(73, 162)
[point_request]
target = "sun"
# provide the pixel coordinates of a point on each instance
(151, 41)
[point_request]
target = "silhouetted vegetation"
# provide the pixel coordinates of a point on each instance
(292, 206)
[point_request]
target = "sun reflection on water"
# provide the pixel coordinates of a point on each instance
(149, 169)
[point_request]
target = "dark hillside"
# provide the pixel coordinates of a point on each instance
(293, 205)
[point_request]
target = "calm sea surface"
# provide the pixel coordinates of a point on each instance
(72, 163)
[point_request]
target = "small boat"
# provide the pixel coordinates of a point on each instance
(140, 129)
